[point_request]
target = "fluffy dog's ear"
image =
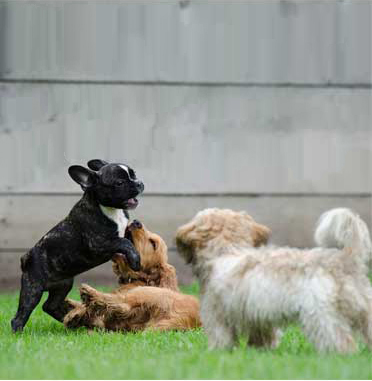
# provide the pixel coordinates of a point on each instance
(96, 164)
(185, 243)
(260, 234)
(184, 250)
(83, 176)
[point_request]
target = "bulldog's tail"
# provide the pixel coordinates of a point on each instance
(343, 229)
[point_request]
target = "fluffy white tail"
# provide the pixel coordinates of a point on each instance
(343, 229)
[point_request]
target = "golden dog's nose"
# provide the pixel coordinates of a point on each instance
(136, 224)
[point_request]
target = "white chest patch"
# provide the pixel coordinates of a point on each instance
(118, 216)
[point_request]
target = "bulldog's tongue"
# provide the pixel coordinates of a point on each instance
(132, 202)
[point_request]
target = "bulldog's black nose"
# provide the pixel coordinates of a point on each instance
(136, 224)
(140, 186)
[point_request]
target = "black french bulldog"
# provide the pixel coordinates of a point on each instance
(89, 236)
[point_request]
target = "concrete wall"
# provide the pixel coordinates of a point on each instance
(289, 41)
(262, 105)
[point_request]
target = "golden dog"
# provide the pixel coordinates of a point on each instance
(149, 298)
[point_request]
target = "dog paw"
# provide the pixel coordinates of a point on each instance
(87, 293)
(74, 319)
(71, 304)
(16, 326)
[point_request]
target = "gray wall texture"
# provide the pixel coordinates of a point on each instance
(263, 106)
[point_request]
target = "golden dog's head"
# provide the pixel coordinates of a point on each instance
(151, 248)
(218, 228)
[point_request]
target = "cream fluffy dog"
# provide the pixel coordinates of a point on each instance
(251, 291)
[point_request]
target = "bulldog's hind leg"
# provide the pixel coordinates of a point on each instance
(30, 295)
(56, 305)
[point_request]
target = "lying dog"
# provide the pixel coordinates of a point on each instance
(247, 290)
(90, 235)
(145, 299)
(155, 271)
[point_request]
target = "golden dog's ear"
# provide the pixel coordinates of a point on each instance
(260, 234)
(154, 243)
(115, 269)
(168, 277)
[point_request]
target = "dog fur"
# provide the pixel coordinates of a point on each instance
(250, 291)
(146, 299)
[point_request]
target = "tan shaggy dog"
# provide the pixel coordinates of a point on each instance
(249, 291)
(146, 299)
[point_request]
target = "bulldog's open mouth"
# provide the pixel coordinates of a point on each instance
(131, 203)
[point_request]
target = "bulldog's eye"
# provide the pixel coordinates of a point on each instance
(119, 182)
(153, 243)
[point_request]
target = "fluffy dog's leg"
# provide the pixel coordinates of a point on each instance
(214, 323)
(367, 326)
(328, 332)
(221, 336)
(267, 337)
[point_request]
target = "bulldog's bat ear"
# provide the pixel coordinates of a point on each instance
(83, 176)
(96, 164)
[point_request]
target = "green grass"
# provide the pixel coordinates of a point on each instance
(46, 350)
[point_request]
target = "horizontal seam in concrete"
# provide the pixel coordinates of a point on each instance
(13, 250)
(222, 194)
(320, 85)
